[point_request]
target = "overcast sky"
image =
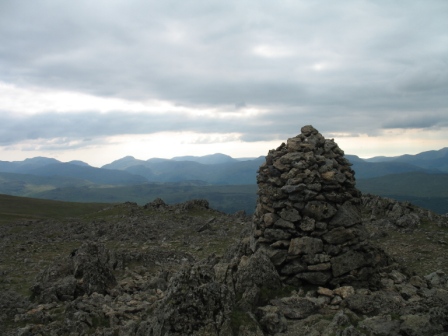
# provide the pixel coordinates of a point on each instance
(99, 80)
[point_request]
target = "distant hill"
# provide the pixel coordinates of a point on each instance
(48, 167)
(207, 159)
(123, 163)
(220, 169)
(433, 160)
(365, 169)
(426, 190)
(95, 175)
(418, 178)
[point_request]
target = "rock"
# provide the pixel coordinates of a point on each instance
(437, 278)
(316, 278)
(273, 235)
(305, 245)
(256, 270)
(344, 291)
(397, 277)
(380, 325)
(319, 210)
(193, 303)
(271, 319)
(338, 236)
(85, 271)
(418, 282)
(347, 215)
(295, 307)
(416, 325)
(325, 291)
(378, 302)
(347, 262)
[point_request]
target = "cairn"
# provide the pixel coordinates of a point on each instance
(307, 217)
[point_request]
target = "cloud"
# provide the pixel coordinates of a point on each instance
(259, 69)
(429, 120)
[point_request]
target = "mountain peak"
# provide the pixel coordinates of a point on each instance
(216, 158)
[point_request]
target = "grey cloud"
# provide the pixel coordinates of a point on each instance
(76, 128)
(378, 60)
(428, 120)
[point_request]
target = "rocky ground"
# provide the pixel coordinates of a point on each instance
(184, 269)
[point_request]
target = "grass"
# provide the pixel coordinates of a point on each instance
(23, 208)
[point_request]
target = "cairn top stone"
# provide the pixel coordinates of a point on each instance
(308, 130)
(307, 217)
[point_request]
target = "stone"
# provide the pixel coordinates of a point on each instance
(277, 256)
(85, 271)
(305, 245)
(319, 267)
(269, 219)
(295, 307)
(276, 234)
(344, 291)
(397, 277)
(257, 270)
(317, 258)
(325, 291)
(280, 244)
(319, 210)
(307, 224)
(271, 319)
(294, 267)
(347, 215)
(380, 325)
(338, 236)
(291, 215)
(418, 282)
(308, 130)
(418, 325)
(289, 189)
(316, 278)
(347, 262)
(284, 224)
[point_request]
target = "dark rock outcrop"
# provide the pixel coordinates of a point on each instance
(87, 270)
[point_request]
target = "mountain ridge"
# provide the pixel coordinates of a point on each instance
(75, 180)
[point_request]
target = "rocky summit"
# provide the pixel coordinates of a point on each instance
(317, 259)
(308, 214)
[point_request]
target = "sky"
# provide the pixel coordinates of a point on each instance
(99, 80)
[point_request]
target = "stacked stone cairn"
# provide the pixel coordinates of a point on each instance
(308, 219)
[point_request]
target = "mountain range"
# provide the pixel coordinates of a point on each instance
(421, 178)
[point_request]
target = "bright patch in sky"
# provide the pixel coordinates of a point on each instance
(37, 100)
